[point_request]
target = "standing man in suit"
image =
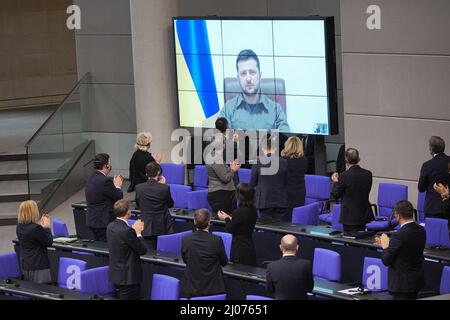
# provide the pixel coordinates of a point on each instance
(434, 171)
(125, 245)
(403, 254)
(271, 190)
(204, 254)
(289, 278)
(354, 187)
(154, 199)
(101, 193)
(444, 192)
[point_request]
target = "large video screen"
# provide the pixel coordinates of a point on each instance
(257, 73)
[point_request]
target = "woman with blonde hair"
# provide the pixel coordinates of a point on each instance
(35, 236)
(297, 167)
(141, 157)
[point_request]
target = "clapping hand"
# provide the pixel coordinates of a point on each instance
(118, 180)
(335, 177)
(138, 226)
(158, 158)
(382, 241)
(162, 180)
(235, 165)
(222, 215)
(442, 190)
(45, 221)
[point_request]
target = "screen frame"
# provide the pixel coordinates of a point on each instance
(330, 61)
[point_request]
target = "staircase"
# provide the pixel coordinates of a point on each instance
(13, 186)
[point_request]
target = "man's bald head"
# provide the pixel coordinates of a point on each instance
(289, 243)
(352, 156)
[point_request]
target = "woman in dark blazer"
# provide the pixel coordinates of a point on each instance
(241, 225)
(140, 159)
(35, 236)
(297, 167)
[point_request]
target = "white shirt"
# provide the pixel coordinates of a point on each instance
(406, 223)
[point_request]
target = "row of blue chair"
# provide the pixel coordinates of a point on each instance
(73, 274)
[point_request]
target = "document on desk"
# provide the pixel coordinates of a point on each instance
(351, 291)
(65, 240)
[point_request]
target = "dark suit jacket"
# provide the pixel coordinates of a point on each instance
(204, 254)
(296, 189)
(433, 171)
(404, 257)
(354, 187)
(290, 278)
(33, 243)
(101, 194)
(124, 250)
(155, 200)
(241, 226)
(271, 190)
(137, 167)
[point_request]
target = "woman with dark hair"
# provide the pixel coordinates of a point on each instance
(241, 225)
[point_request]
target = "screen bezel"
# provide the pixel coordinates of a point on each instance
(330, 61)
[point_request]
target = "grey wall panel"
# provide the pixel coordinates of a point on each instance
(339, 138)
(407, 26)
(104, 16)
(222, 8)
(398, 85)
(108, 58)
(393, 148)
(111, 109)
(306, 8)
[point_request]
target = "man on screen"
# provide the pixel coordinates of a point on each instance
(251, 109)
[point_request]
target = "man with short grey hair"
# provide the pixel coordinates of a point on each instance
(434, 171)
(289, 278)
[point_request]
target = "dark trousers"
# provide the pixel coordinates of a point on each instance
(348, 228)
(128, 292)
(150, 242)
(270, 215)
(404, 296)
(221, 200)
(99, 234)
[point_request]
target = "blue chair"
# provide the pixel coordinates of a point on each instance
(335, 216)
(9, 266)
(318, 189)
(244, 175)
(200, 177)
(59, 228)
(69, 272)
(173, 172)
(437, 232)
(307, 214)
(165, 288)
(213, 297)
(327, 265)
(388, 196)
(179, 195)
(198, 200)
(375, 274)
(96, 281)
(421, 206)
(226, 238)
(445, 281)
(131, 222)
(253, 297)
(170, 243)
